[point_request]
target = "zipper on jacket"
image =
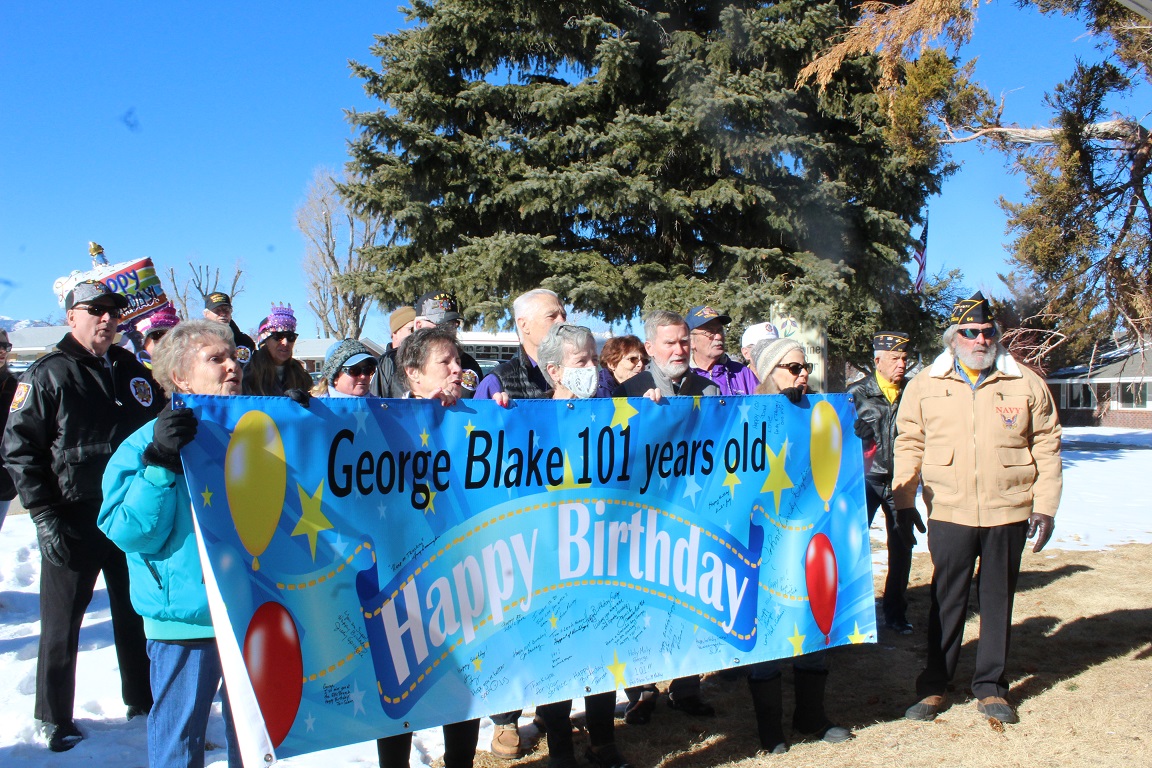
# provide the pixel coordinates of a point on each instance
(155, 574)
(116, 399)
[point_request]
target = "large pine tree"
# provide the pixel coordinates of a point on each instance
(633, 156)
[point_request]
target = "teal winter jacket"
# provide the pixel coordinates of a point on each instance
(148, 514)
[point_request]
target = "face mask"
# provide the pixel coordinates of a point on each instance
(580, 381)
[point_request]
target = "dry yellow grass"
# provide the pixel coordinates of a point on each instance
(1081, 671)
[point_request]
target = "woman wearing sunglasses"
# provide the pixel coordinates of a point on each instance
(783, 370)
(348, 370)
(273, 371)
(153, 328)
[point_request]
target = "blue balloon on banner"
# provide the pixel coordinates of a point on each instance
(845, 529)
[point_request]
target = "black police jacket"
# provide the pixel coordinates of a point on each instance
(68, 416)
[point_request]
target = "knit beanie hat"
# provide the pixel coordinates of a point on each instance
(768, 355)
(342, 353)
(163, 319)
(281, 319)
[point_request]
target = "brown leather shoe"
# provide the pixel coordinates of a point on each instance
(506, 741)
(997, 708)
(926, 709)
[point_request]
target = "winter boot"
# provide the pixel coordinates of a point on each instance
(810, 719)
(766, 703)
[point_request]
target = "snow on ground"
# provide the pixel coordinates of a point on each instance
(1104, 504)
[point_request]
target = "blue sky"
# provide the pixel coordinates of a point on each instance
(188, 132)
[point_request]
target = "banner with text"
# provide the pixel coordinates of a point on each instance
(390, 565)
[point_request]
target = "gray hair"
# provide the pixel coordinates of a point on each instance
(658, 318)
(175, 350)
(417, 348)
(562, 336)
(521, 307)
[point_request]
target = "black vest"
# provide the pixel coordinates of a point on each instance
(522, 380)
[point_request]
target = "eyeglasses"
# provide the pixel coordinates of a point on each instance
(6, 346)
(795, 368)
(289, 336)
(972, 333)
(710, 334)
(363, 369)
(95, 311)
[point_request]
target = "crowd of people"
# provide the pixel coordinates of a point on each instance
(93, 449)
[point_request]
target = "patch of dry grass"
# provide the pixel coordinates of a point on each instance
(1081, 670)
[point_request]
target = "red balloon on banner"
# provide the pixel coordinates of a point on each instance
(275, 667)
(820, 573)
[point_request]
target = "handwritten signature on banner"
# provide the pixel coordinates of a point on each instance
(392, 565)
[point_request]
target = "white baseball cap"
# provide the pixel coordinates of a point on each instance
(754, 334)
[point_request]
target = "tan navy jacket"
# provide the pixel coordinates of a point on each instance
(986, 456)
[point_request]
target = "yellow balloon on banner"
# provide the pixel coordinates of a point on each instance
(825, 449)
(254, 479)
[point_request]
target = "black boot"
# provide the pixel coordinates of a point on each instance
(769, 711)
(810, 719)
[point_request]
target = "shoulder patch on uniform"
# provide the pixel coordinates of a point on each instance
(469, 379)
(21, 397)
(243, 354)
(141, 390)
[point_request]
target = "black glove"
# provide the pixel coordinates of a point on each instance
(174, 429)
(50, 534)
(1041, 527)
(793, 394)
(905, 519)
(864, 431)
(301, 396)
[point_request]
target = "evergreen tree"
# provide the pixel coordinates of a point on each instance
(633, 156)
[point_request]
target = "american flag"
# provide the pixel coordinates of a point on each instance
(920, 254)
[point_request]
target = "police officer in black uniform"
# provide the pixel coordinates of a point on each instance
(71, 410)
(436, 308)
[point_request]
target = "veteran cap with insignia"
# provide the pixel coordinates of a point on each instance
(697, 316)
(217, 299)
(974, 309)
(437, 307)
(890, 341)
(94, 292)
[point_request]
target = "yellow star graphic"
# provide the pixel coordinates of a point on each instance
(777, 479)
(207, 494)
(624, 412)
(617, 670)
(569, 480)
(696, 403)
(469, 427)
(731, 481)
(424, 437)
(312, 520)
(856, 637)
(797, 641)
(553, 620)
(476, 662)
(431, 503)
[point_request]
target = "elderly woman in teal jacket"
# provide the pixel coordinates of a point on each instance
(147, 513)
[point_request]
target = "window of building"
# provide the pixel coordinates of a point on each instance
(1080, 395)
(1133, 395)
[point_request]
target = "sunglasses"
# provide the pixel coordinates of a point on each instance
(156, 335)
(95, 311)
(362, 369)
(972, 333)
(291, 336)
(796, 368)
(6, 346)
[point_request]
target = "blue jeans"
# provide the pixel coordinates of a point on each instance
(185, 678)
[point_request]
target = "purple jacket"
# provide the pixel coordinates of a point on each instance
(731, 377)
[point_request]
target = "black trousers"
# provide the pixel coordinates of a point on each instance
(680, 688)
(600, 713)
(65, 592)
(459, 746)
(954, 550)
(879, 496)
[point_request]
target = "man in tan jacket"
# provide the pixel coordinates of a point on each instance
(981, 434)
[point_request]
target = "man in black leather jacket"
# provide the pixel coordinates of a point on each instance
(877, 398)
(71, 410)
